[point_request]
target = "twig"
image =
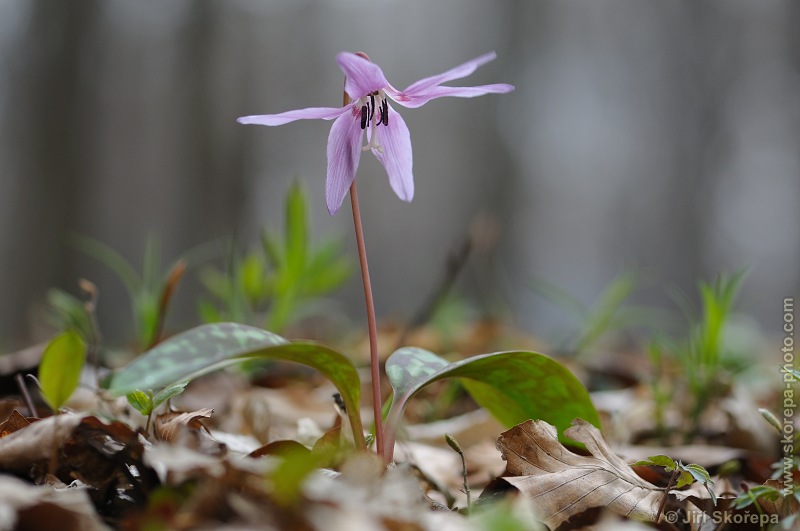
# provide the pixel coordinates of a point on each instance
(673, 478)
(26, 396)
(90, 305)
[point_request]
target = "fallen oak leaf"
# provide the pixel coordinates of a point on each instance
(562, 484)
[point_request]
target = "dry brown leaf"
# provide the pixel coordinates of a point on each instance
(187, 428)
(23, 506)
(562, 484)
(106, 457)
(36, 443)
(13, 423)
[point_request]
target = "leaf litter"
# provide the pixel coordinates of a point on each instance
(191, 469)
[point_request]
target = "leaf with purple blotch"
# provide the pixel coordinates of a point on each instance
(209, 347)
(513, 386)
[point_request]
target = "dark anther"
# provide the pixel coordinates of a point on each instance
(364, 117)
(385, 113)
(372, 106)
(337, 398)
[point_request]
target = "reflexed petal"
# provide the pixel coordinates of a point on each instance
(361, 75)
(322, 113)
(454, 73)
(419, 100)
(344, 152)
(396, 156)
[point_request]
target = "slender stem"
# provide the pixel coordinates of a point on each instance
(374, 361)
(373, 329)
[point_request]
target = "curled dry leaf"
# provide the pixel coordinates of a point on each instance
(562, 484)
(107, 457)
(187, 428)
(36, 443)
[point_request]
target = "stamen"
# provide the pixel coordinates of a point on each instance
(372, 108)
(363, 117)
(385, 113)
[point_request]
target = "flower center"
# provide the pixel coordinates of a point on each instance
(374, 112)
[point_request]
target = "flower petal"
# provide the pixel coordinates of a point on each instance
(396, 157)
(322, 113)
(361, 75)
(458, 72)
(344, 153)
(418, 100)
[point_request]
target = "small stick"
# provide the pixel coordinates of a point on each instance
(672, 481)
(90, 305)
(26, 395)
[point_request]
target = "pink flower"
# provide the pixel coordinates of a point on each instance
(387, 134)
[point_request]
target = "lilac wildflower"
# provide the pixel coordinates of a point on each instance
(369, 111)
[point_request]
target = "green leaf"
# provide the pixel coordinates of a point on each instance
(327, 269)
(296, 228)
(658, 460)
(513, 386)
(212, 346)
(701, 475)
(60, 369)
(141, 401)
(754, 493)
(684, 478)
(169, 392)
(251, 275)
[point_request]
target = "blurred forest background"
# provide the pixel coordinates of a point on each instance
(658, 137)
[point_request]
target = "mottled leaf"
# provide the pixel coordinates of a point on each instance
(212, 346)
(60, 369)
(513, 386)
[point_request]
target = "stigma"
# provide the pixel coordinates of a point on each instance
(374, 112)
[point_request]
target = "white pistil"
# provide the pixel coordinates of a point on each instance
(377, 114)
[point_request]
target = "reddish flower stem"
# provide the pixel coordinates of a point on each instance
(374, 361)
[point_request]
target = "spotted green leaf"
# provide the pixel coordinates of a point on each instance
(60, 369)
(212, 346)
(513, 386)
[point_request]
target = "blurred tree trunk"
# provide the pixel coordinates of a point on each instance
(47, 119)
